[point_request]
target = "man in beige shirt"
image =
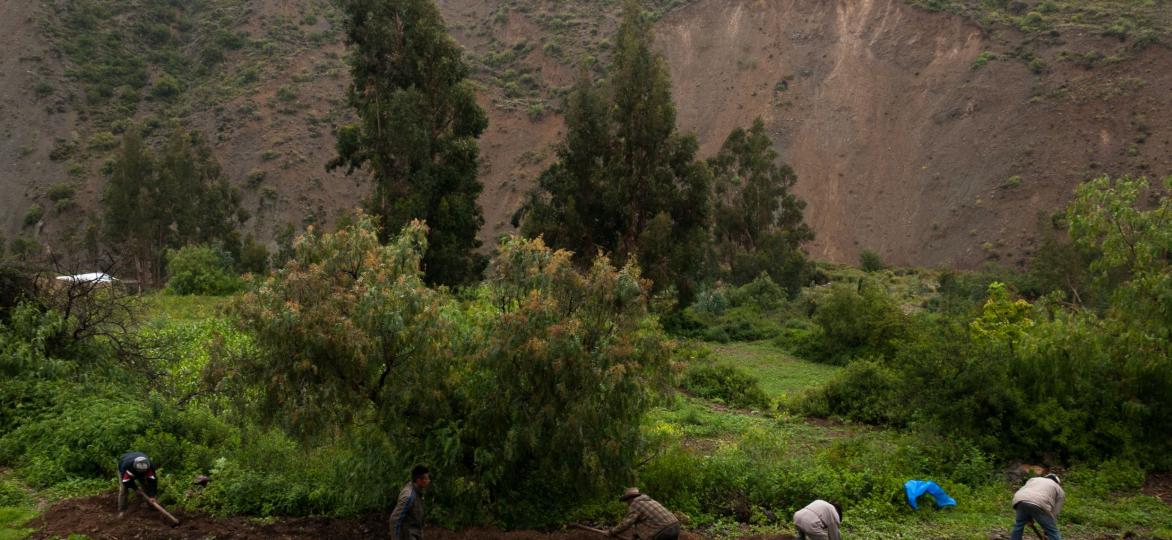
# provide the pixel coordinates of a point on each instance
(1040, 500)
(647, 519)
(819, 520)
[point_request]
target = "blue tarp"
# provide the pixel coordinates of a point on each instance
(916, 488)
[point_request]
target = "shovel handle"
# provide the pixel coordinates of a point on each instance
(589, 529)
(1034, 526)
(159, 507)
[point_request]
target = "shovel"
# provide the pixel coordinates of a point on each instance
(1034, 526)
(585, 528)
(159, 507)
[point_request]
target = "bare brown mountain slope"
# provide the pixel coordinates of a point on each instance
(900, 145)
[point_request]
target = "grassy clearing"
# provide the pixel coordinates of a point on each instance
(16, 508)
(780, 374)
(777, 460)
(722, 439)
(161, 306)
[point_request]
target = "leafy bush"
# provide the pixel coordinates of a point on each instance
(869, 261)
(762, 294)
(867, 391)
(254, 257)
(528, 397)
(748, 313)
(728, 384)
(166, 87)
(33, 215)
(855, 321)
(201, 269)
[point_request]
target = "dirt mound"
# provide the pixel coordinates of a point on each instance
(1159, 486)
(96, 518)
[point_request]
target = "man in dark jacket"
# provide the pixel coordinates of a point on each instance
(134, 467)
(407, 518)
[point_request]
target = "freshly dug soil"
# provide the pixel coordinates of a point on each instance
(97, 518)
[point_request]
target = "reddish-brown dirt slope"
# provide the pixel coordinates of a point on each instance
(95, 518)
(900, 146)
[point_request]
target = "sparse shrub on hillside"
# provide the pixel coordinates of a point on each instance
(43, 89)
(286, 93)
(103, 141)
(33, 215)
(61, 194)
(982, 59)
(166, 87)
(62, 150)
(870, 261)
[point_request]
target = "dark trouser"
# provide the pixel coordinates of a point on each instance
(407, 533)
(1027, 512)
(123, 496)
(803, 535)
(671, 532)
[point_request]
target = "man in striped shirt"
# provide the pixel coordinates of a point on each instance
(647, 519)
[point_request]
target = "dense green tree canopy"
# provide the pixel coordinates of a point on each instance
(167, 200)
(417, 130)
(626, 182)
(757, 220)
(536, 384)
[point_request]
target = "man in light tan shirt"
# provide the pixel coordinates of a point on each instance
(819, 520)
(1040, 500)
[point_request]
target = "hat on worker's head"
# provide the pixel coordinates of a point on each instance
(1054, 477)
(142, 464)
(629, 494)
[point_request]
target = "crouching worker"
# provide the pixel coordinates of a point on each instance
(407, 518)
(1040, 500)
(647, 519)
(819, 520)
(135, 467)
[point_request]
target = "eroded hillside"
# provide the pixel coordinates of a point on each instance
(931, 137)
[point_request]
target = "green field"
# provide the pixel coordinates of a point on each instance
(748, 445)
(780, 374)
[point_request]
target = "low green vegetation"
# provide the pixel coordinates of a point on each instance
(780, 373)
(703, 358)
(737, 474)
(757, 429)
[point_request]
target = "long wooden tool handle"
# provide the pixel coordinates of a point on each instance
(585, 528)
(159, 507)
(1034, 526)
